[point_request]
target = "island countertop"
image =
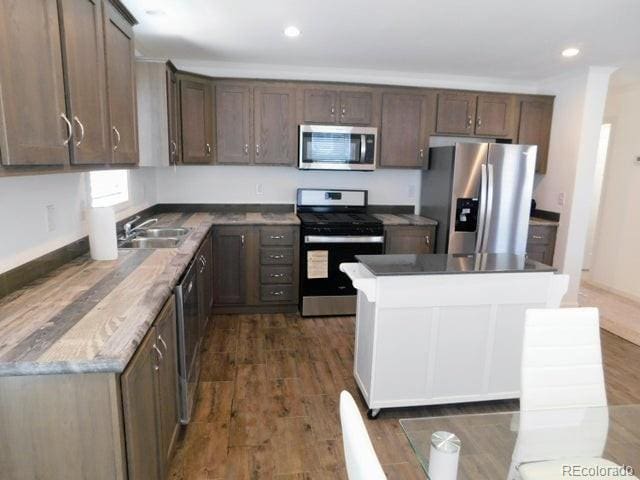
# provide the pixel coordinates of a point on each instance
(446, 264)
(90, 316)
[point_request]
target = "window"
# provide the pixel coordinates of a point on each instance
(109, 187)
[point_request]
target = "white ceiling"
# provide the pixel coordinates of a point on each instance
(511, 39)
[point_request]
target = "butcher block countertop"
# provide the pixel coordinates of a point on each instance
(90, 316)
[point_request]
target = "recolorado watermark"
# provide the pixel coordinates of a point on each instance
(597, 471)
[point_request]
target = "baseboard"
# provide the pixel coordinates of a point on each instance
(615, 291)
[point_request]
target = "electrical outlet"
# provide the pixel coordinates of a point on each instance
(411, 191)
(561, 198)
(259, 189)
(51, 218)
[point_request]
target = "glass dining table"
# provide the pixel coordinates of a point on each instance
(497, 446)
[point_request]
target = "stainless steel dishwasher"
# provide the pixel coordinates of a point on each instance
(188, 334)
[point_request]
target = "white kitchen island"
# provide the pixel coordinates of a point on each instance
(438, 329)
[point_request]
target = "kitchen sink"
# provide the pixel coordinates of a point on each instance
(162, 232)
(142, 242)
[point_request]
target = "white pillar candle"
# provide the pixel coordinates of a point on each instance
(444, 455)
(102, 233)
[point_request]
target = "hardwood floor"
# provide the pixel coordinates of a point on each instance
(267, 405)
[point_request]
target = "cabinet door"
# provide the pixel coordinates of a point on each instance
(140, 410)
(86, 80)
(32, 104)
(494, 117)
(196, 116)
(233, 118)
(456, 113)
(403, 240)
(356, 108)
(229, 257)
(275, 125)
(168, 417)
(173, 113)
(121, 86)
(404, 133)
(320, 106)
(535, 128)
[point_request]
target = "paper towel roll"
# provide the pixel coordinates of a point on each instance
(102, 233)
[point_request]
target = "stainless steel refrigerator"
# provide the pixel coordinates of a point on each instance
(480, 194)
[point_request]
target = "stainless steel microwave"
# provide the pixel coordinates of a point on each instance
(332, 147)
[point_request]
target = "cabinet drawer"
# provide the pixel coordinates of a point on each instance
(276, 256)
(541, 235)
(276, 236)
(276, 293)
(273, 274)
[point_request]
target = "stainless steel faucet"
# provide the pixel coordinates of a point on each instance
(129, 229)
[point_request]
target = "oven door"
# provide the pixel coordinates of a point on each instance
(321, 256)
(337, 148)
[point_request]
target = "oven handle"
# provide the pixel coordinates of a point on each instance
(342, 239)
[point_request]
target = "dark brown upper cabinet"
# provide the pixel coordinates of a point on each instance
(233, 118)
(495, 115)
(406, 126)
(121, 86)
(348, 107)
(86, 79)
(34, 125)
(535, 127)
(456, 113)
(173, 112)
(274, 125)
(196, 106)
(320, 106)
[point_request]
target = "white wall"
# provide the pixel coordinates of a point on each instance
(616, 259)
(23, 211)
(577, 116)
(236, 184)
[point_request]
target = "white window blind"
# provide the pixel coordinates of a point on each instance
(109, 187)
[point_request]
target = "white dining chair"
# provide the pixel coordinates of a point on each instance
(562, 386)
(360, 457)
(562, 359)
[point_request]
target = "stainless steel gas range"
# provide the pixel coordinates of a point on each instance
(335, 228)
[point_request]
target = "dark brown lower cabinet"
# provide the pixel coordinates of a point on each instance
(149, 400)
(204, 260)
(409, 239)
(541, 243)
(255, 268)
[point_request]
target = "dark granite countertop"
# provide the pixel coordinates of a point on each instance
(444, 264)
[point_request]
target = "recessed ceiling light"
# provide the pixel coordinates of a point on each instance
(155, 12)
(292, 31)
(570, 52)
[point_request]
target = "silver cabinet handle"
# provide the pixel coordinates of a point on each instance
(242, 239)
(160, 357)
(421, 153)
(257, 149)
(277, 293)
(276, 237)
(427, 240)
(469, 121)
(479, 122)
(77, 120)
(164, 344)
(174, 148)
(277, 275)
(537, 237)
(208, 149)
(276, 257)
(115, 130)
(343, 110)
(69, 128)
(246, 149)
(333, 110)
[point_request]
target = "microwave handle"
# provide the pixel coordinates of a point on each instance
(363, 148)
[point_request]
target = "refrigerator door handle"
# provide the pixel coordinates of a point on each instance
(482, 207)
(489, 208)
